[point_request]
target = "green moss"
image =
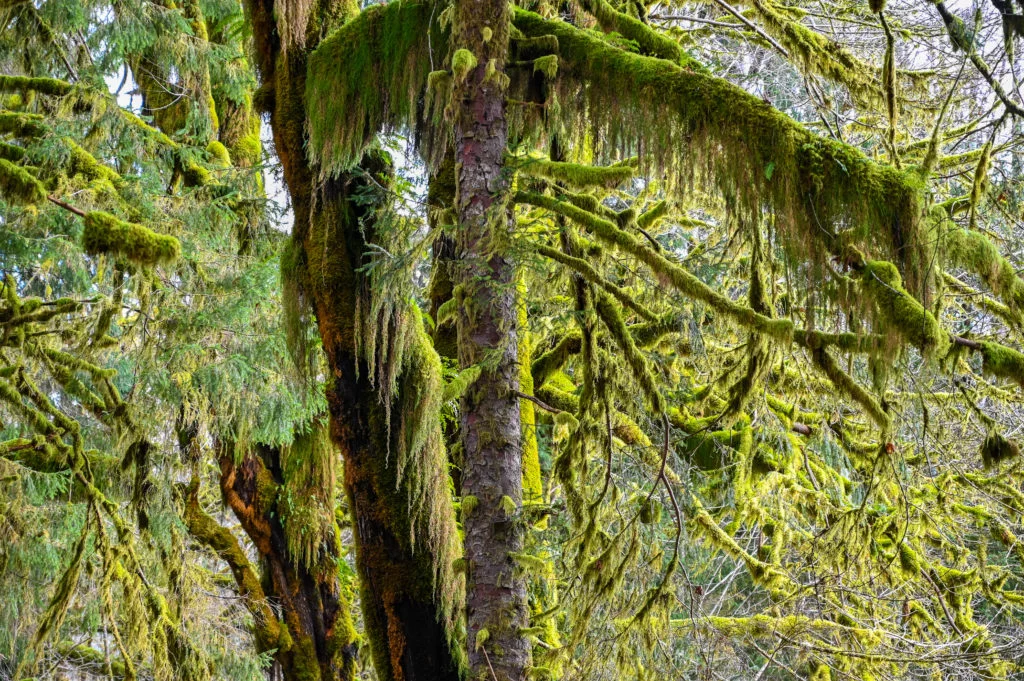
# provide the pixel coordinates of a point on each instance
(219, 153)
(900, 312)
(463, 61)
(575, 175)
(367, 77)
(653, 215)
(703, 130)
(976, 253)
(85, 164)
(457, 387)
(997, 449)
(11, 152)
(22, 125)
(846, 385)
(650, 41)
(18, 185)
(469, 504)
(548, 65)
(1003, 362)
(105, 233)
(671, 273)
(46, 86)
(248, 150)
(533, 483)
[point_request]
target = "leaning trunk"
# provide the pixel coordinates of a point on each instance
(492, 488)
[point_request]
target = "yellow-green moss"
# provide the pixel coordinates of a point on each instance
(1003, 362)
(219, 153)
(367, 77)
(46, 86)
(900, 312)
(105, 233)
(18, 185)
(976, 253)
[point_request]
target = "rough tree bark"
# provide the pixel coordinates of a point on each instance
(496, 598)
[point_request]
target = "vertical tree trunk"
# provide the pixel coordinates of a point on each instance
(410, 594)
(496, 600)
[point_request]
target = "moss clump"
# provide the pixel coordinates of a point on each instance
(219, 153)
(458, 385)
(900, 312)
(22, 125)
(105, 233)
(463, 61)
(469, 504)
(18, 185)
(85, 164)
(548, 65)
(11, 152)
(1002, 362)
(46, 86)
(648, 40)
(996, 448)
(576, 175)
(975, 252)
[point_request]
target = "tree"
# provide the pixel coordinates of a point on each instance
(761, 346)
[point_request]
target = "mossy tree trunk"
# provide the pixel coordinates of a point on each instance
(408, 594)
(496, 599)
(315, 638)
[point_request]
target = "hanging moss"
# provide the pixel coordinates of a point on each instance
(105, 233)
(1002, 362)
(976, 253)
(582, 267)
(900, 312)
(367, 77)
(548, 65)
(845, 384)
(22, 125)
(703, 130)
(678, 277)
(463, 61)
(650, 42)
(18, 185)
(997, 449)
(457, 387)
(580, 176)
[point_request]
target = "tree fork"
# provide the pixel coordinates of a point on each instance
(496, 597)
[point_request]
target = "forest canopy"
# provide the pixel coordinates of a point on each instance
(473, 339)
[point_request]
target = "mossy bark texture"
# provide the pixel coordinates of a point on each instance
(406, 623)
(496, 598)
(315, 636)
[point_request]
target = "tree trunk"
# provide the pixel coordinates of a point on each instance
(316, 639)
(496, 601)
(404, 524)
